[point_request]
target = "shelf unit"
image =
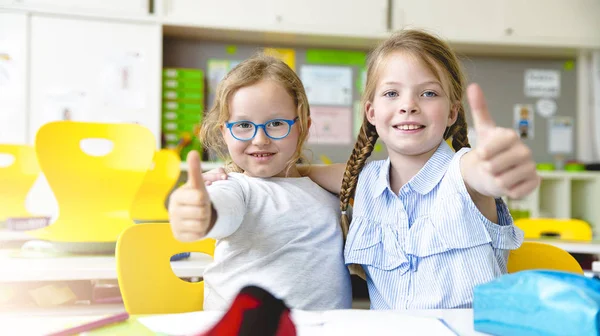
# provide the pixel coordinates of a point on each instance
(565, 194)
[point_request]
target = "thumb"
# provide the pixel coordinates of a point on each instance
(482, 120)
(194, 170)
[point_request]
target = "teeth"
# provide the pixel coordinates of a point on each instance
(408, 127)
(261, 155)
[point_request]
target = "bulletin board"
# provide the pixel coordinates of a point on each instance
(502, 79)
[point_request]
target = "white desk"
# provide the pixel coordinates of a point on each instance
(460, 320)
(83, 267)
(589, 247)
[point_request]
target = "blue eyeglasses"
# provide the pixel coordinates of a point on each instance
(275, 129)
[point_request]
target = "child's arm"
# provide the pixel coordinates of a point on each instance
(501, 165)
(193, 213)
(329, 177)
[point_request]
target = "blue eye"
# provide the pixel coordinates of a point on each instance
(243, 125)
(429, 94)
(275, 123)
(391, 94)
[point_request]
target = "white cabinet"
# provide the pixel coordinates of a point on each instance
(458, 21)
(94, 70)
(229, 14)
(572, 22)
(117, 7)
(333, 17)
(13, 77)
(322, 17)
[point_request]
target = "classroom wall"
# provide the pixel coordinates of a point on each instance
(502, 80)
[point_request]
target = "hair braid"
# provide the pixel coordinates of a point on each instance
(458, 131)
(361, 152)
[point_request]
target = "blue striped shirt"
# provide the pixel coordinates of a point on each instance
(427, 246)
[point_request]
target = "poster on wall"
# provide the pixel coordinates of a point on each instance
(9, 80)
(216, 71)
(288, 56)
(542, 83)
(546, 107)
(523, 120)
(560, 135)
(327, 85)
(123, 81)
(330, 125)
(65, 104)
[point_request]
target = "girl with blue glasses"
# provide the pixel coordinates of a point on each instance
(274, 228)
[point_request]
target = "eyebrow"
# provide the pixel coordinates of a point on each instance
(424, 83)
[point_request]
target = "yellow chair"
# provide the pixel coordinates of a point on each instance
(149, 204)
(94, 192)
(16, 180)
(146, 280)
(535, 255)
(564, 229)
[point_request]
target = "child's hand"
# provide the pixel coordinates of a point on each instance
(190, 210)
(501, 164)
(214, 175)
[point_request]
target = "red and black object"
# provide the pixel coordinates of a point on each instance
(254, 311)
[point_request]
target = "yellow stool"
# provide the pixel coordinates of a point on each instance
(149, 204)
(94, 193)
(564, 229)
(146, 279)
(534, 255)
(16, 180)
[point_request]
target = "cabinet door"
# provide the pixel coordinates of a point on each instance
(232, 14)
(573, 22)
(94, 71)
(335, 17)
(13, 73)
(458, 21)
(117, 7)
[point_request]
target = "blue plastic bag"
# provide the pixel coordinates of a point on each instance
(538, 303)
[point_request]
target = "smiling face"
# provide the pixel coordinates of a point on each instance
(262, 156)
(410, 107)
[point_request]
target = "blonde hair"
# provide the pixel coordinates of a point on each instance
(443, 63)
(249, 72)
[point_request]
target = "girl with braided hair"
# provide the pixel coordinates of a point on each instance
(428, 223)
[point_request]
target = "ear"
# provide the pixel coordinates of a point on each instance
(453, 114)
(309, 123)
(370, 112)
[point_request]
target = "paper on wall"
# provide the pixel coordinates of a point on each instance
(330, 125)
(327, 85)
(216, 70)
(560, 135)
(358, 113)
(10, 83)
(288, 56)
(65, 104)
(546, 107)
(123, 81)
(523, 120)
(542, 83)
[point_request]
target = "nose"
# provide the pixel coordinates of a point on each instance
(408, 105)
(261, 138)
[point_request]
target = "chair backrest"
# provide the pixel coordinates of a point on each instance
(16, 179)
(94, 191)
(146, 279)
(149, 203)
(567, 229)
(535, 255)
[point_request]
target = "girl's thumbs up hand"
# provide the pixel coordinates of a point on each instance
(190, 211)
(501, 164)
